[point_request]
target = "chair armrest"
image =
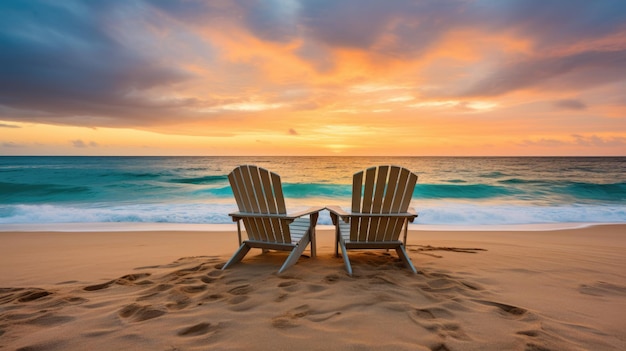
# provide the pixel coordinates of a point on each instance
(308, 211)
(240, 215)
(290, 217)
(345, 216)
(412, 212)
(336, 211)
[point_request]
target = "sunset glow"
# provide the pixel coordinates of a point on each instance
(290, 77)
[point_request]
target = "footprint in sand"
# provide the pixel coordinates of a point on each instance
(50, 319)
(139, 313)
(289, 319)
(178, 301)
(193, 289)
(129, 279)
(437, 321)
(240, 294)
(507, 309)
(287, 283)
(418, 315)
(330, 279)
(281, 297)
(198, 329)
(33, 294)
(22, 295)
(290, 285)
(241, 290)
(211, 277)
(99, 286)
(439, 347)
(601, 288)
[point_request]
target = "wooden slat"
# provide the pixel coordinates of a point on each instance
(399, 203)
(370, 178)
(368, 192)
(259, 191)
(259, 204)
(379, 193)
(246, 174)
(282, 227)
(237, 183)
(391, 189)
(408, 192)
(357, 189)
(392, 183)
(270, 197)
(396, 206)
(239, 174)
(278, 193)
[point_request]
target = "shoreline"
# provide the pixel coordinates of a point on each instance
(193, 227)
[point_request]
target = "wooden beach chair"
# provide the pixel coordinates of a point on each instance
(259, 196)
(380, 212)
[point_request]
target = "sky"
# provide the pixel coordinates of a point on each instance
(316, 77)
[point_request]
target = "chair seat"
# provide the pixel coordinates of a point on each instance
(345, 237)
(298, 228)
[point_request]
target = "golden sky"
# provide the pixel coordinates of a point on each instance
(288, 77)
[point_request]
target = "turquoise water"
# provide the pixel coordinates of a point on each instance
(450, 190)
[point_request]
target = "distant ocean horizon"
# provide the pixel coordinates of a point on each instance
(463, 191)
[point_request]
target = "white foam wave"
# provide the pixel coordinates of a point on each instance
(451, 214)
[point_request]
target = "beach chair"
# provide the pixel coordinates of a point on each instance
(380, 213)
(259, 196)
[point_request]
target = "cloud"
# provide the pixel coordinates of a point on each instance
(576, 71)
(3, 125)
(66, 59)
(597, 141)
(78, 143)
(292, 131)
(543, 142)
(571, 104)
(163, 63)
(579, 140)
(563, 22)
(10, 144)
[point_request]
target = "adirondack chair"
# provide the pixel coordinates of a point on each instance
(380, 212)
(259, 196)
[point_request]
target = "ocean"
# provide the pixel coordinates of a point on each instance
(464, 191)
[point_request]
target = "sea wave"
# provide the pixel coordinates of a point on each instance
(212, 179)
(605, 192)
(465, 191)
(200, 213)
(19, 192)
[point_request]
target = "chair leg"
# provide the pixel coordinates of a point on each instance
(295, 253)
(346, 259)
(337, 236)
(313, 219)
(407, 261)
(238, 256)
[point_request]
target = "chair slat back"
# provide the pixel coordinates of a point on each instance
(259, 191)
(380, 190)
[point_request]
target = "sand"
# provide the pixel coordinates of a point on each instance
(165, 290)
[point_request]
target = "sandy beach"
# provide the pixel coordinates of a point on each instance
(165, 290)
